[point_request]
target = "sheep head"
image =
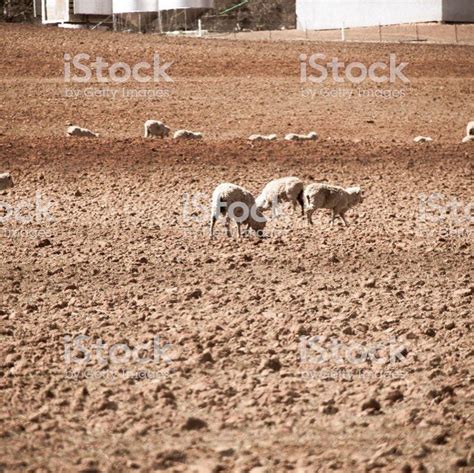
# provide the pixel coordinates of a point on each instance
(6, 181)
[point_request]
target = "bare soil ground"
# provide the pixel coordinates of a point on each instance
(122, 255)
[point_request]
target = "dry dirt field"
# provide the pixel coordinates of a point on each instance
(102, 238)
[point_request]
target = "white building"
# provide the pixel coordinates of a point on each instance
(332, 14)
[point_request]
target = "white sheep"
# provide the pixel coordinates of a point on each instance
(285, 189)
(325, 196)
(154, 128)
(309, 137)
(238, 204)
(74, 130)
(187, 135)
(6, 181)
(272, 137)
(423, 139)
(470, 129)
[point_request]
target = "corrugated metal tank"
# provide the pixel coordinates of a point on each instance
(135, 6)
(144, 6)
(178, 4)
(93, 7)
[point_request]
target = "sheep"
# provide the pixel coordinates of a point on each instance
(236, 203)
(285, 189)
(309, 137)
(325, 196)
(470, 129)
(272, 137)
(423, 139)
(154, 128)
(468, 139)
(187, 135)
(6, 181)
(80, 132)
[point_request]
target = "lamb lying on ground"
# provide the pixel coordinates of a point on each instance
(81, 132)
(236, 203)
(156, 129)
(187, 135)
(6, 181)
(294, 137)
(285, 189)
(272, 137)
(325, 196)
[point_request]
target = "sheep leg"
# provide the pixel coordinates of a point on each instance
(333, 217)
(227, 226)
(300, 200)
(213, 224)
(309, 214)
(238, 229)
(343, 217)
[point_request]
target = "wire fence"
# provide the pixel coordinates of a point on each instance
(437, 33)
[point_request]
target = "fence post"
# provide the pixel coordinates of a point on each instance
(380, 33)
(456, 32)
(343, 33)
(417, 34)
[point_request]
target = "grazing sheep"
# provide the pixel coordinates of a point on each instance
(81, 132)
(236, 203)
(423, 139)
(470, 129)
(309, 137)
(468, 139)
(154, 128)
(286, 189)
(6, 181)
(272, 137)
(187, 135)
(325, 196)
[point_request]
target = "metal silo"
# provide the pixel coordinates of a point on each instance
(135, 6)
(93, 7)
(181, 4)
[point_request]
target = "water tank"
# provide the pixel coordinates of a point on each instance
(178, 4)
(93, 7)
(143, 6)
(135, 6)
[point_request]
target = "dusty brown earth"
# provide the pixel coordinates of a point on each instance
(113, 247)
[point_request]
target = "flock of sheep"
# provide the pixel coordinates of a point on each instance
(238, 204)
(157, 129)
